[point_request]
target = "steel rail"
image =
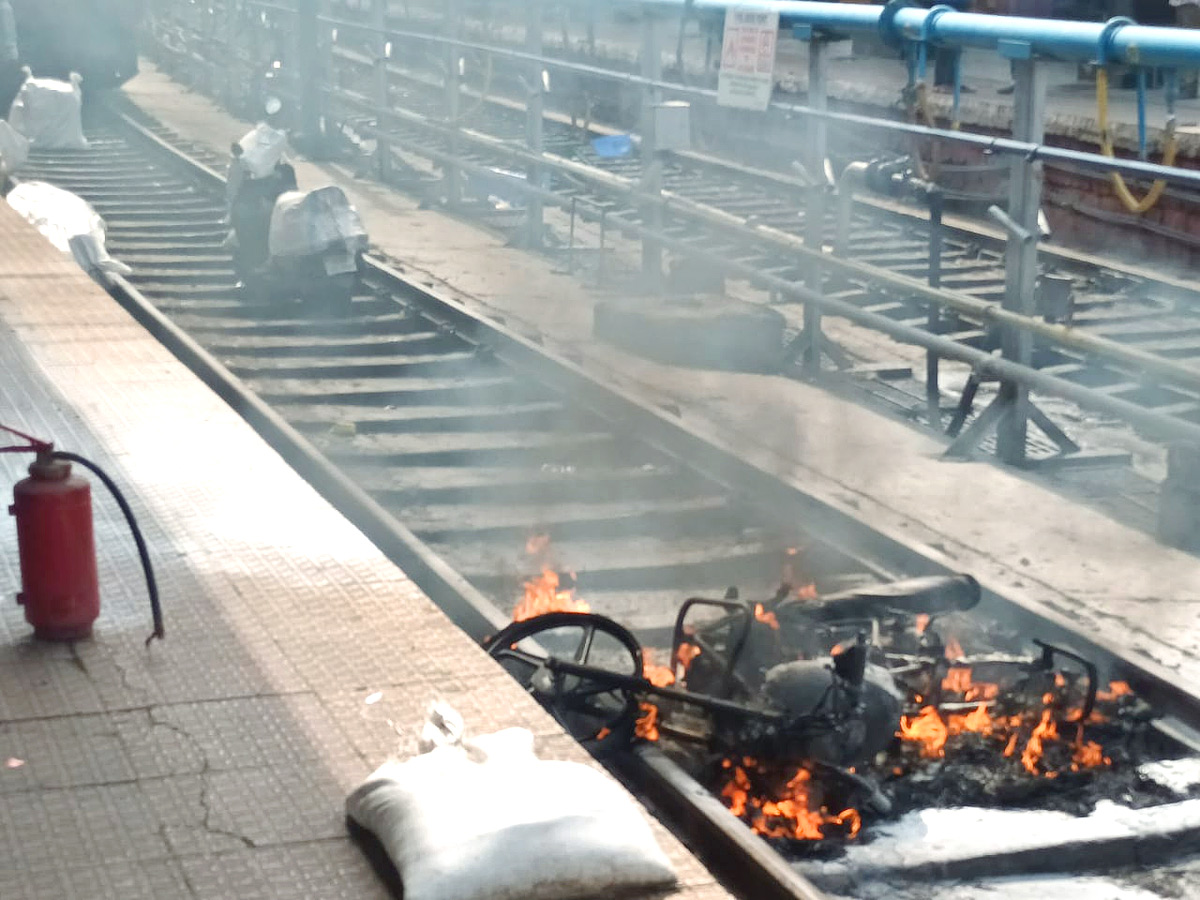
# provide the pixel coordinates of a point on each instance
(987, 143)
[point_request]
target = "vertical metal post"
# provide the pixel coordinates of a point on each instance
(533, 121)
(326, 79)
(602, 262)
(232, 8)
(307, 64)
(1021, 255)
(651, 161)
(453, 174)
(933, 390)
(383, 149)
(814, 218)
(258, 50)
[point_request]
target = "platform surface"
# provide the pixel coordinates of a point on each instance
(215, 764)
(1112, 581)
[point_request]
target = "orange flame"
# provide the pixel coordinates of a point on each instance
(647, 725)
(659, 676)
(1046, 730)
(979, 720)
(957, 681)
(922, 623)
(928, 730)
(1088, 754)
(981, 690)
(767, 618)
(542, 595)
(954, 650)
(807, 592)
(789, 815)
(1115, 689)
(685, 654)
(931, 729)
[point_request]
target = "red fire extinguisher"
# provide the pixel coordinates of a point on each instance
(53, 507)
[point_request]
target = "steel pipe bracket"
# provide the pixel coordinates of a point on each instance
(889, 31)
(1108, 34)
(929, 26)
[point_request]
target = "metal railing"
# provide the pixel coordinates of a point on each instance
(381, 31)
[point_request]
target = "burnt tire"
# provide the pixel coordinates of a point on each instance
(705, 332)
(606, 720)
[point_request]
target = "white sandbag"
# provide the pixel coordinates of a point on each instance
(487, 820)
(309, 223)
(50, 113)
(14, 149)
(262, 149)
(69, 222)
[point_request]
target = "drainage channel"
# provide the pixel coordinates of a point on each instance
(457, 446)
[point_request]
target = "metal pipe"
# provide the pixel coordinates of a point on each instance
(652, 161)
(307, 50)
(854, 179)
(1118, 41)
(1153, 423)
(1021, 256)
(452, 22)
(382, 48)
(986, 143)
(936, 201)
(1169, 370)
(814, 214)
(534, 120)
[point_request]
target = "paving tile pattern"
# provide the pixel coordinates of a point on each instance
(213, 764)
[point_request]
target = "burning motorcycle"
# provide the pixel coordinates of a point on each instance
(757, 684)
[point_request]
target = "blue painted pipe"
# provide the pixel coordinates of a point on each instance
(1118, 41)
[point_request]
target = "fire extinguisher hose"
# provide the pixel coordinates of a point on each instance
(143, 553)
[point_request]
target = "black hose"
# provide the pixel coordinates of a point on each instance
(151, 585)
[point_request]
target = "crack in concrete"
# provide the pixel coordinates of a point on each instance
(204, 800)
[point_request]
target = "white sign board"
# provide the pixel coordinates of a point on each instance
(748, 59)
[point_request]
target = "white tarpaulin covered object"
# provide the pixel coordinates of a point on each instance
(306, 224)
(485, 819)
(69, 222)
(50, 113)
(262, 148)
(14, 149)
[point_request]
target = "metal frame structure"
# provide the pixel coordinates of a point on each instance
(1025, 41)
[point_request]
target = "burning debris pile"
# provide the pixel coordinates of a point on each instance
(811, 716)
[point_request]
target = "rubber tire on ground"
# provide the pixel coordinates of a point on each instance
(705, 332)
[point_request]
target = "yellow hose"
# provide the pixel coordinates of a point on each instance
(918, 113)
(1121, 189)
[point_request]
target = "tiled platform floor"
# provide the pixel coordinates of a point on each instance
(213, 764)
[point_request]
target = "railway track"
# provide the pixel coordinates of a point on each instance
(451, 441)
(1158, 317)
